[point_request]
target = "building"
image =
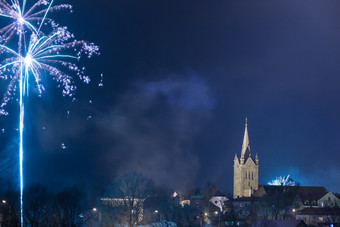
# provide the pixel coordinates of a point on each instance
(329, 200)
(319, 216)
(246, 170)
(279, 223)
(317, 197)
(120, 211)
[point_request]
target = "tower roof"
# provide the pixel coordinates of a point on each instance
(245, 153)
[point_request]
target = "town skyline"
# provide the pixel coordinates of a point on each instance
(179, 80)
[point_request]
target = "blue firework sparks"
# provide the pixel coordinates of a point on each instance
(36, 55)
(24, 19)
(282, 181)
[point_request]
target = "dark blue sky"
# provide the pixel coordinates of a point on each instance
(179, 79)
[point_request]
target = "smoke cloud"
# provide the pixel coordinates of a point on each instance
(153, 127)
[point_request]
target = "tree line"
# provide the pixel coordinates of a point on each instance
(43, 208)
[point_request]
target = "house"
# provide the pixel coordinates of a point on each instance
(279, 223)
(197, 201)
(319, 216)
(244, 206)
(309, 196)
(329, 200)
(117, 211)
(306, 196)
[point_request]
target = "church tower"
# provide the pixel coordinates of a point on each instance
(246, 170)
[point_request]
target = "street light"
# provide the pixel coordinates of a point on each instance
(94, 209)
(219, 218)
(9, 211)
(157, 215)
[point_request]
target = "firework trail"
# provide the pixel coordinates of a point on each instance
(52, 55)
(282, 181)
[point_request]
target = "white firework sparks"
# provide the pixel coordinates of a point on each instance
(44, 57)
(63, 146)
(24, 19)
(101, 81)
(36, 56)
(282, 181)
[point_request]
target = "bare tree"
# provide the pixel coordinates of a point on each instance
(68, 207)
(128, 194)
(274, 204)
(10, 205)
(35, 200)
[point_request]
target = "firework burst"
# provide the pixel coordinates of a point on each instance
(282, 181)
(23, 19)
(54, 55)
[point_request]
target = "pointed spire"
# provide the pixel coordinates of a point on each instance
(245, 153)
(256, 159)
(236, 158)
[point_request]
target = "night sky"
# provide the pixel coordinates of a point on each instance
(179, 79)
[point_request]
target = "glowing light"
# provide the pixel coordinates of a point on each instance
(28, 60)
(101, 81)
(21, 20)
(63, 146)
(282, 181)
(3, 201)
(94, 209)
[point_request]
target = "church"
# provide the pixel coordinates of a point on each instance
(246, 170)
